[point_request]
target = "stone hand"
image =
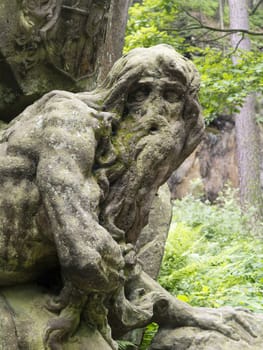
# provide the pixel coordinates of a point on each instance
(226, 320)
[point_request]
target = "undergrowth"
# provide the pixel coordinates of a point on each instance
(213, 256)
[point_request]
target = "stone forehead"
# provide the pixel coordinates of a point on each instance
(162, 60)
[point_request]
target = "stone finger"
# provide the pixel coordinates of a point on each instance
(240, 308)
(244, 323)
(226, 330)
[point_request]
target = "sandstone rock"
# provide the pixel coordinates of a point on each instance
(212, 166)
(152, 240)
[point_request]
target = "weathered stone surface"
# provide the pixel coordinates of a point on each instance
(190, 338)
(152, 239)
(213, 165)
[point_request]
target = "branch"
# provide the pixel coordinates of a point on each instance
(255, 7)
(213, 40)
(204, 26)
(237, 45)
(198, 37)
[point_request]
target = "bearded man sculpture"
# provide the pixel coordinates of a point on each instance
(78, 174)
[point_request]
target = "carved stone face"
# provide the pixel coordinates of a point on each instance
(155, 106)
(153, 129)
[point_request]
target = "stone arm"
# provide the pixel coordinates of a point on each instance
(148, 302)
(89, 257)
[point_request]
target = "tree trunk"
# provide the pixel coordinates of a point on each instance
(247, 132)
(115, 35)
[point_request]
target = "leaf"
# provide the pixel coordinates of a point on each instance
(183, 297)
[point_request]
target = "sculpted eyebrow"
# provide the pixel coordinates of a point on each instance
(173, 83)
(175, 86)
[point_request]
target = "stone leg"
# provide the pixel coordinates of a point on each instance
(183, 327)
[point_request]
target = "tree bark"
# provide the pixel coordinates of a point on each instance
(247, 132)
(115, 34)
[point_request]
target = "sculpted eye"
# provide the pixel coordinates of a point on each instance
(172, 96)
(140, 94)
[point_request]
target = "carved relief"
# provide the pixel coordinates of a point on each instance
(67, 33)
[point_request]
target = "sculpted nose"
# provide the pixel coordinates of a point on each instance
(157, 106)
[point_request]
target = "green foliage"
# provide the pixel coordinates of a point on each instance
(125, 345)
(147, 23)
(256, 19)
(211, 258)
(207, 8)
(149, 333)
(224, 86)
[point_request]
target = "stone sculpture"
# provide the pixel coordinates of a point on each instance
(78, 175)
